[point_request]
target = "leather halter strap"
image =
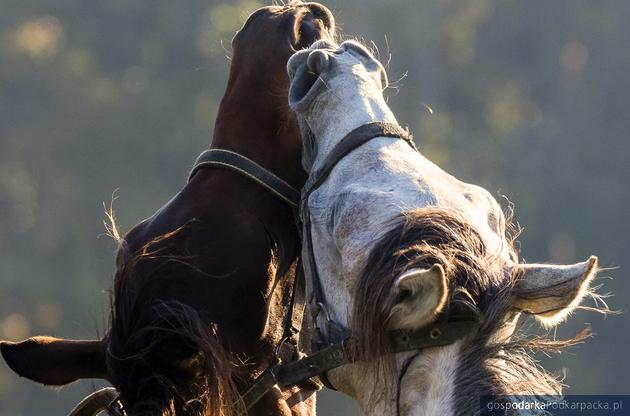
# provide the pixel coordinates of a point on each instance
(228, 159)
(351, 141)
(345, 352)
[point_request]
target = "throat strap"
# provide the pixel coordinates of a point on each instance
(351, 141)
(227, 159)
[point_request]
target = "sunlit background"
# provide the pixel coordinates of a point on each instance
(529, 99)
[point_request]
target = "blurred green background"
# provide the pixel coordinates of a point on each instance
(530, 100)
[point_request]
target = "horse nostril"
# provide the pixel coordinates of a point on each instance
(318, 61)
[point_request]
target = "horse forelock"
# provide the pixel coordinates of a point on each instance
(421, 238)
(479, 288)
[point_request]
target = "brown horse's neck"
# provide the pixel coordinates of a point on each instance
(267, 133)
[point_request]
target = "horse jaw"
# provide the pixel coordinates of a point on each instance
(429, 385)
(427, 388)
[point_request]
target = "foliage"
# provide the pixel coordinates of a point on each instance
(529, 100)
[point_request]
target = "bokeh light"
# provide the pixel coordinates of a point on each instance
(39, 37)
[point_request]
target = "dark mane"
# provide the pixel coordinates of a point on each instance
(421, 238)
(204, 388)
(479, 288)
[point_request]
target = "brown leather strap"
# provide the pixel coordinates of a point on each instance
(338, 354)
(263, 385)
(350, 142)
(226, 159)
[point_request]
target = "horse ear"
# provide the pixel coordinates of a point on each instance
(421, 295)
(56, 362)
(384, 80)
(552, 292)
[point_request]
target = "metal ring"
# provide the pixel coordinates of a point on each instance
(338, 355)
(276, 351)
(435, 333)
(277, 359)
(116, 408)
(96, 402)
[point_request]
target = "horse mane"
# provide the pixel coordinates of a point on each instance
(136, 327)
(479, 288)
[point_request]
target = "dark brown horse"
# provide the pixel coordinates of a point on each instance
(202, 286)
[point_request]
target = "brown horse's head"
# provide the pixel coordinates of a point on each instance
(162, 352)
(258, 85)
(264, 45)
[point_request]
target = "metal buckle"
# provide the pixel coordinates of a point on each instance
(322, 307)
(277, 353)
(115, 408)
(322, 336)
(334, 332)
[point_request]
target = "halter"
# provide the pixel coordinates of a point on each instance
(338, 346)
